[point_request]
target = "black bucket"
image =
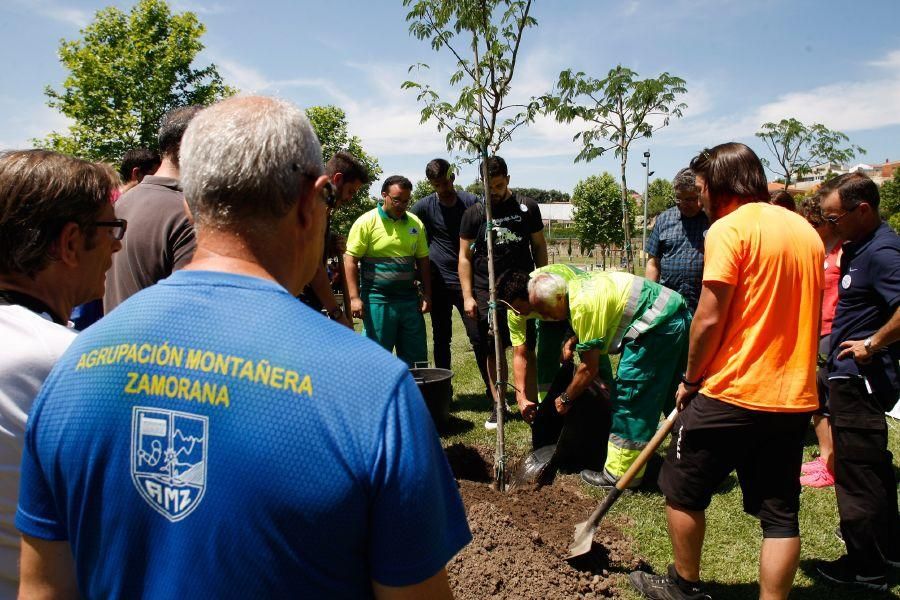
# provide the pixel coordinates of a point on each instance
(434, 384)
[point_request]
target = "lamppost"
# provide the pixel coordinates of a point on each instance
(646, 199)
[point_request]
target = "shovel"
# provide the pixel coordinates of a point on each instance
(584, 532)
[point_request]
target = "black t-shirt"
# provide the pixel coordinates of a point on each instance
(868, 295)
(442, 225)
(515, 219)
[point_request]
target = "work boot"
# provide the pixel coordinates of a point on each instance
(605, 480)
(843, 572)
(666, 587)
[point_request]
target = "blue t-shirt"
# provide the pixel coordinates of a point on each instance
(868, 295)
(677, 241)
(213, 437)
(442, 225)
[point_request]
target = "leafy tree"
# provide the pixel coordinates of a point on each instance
(330, 125)
(421, 189)
(492, 31)
(660, 196)
(125, 73)
(476, 187)
(484, 37)
(890, 200)
(543, 196)
(596, 202)
(798, 147)
(617, 110)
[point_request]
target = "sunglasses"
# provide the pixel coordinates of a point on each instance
(834, 219)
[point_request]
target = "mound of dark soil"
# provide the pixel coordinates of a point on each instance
(521, 538)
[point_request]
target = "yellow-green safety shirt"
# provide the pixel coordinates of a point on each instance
(516, 322)
(606, 309)
(387, 249)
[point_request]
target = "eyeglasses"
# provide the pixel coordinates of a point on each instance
(117, 227)
(399, 201)
(834, 220)
(329, 195)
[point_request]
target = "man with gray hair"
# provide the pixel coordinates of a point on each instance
(611, 313)
(162, 237)
(204, 439)
(675, 246)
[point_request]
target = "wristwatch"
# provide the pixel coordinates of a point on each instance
(867, 344)
(564, 398)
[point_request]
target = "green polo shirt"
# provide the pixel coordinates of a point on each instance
(387, 250)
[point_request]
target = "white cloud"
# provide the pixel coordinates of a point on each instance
(631, 8)
(53, 10)
(22, 122)
(891, 61)
(845, 106)
(385, 117)
(211, 8)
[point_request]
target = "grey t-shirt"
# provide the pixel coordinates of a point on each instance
(159, 239)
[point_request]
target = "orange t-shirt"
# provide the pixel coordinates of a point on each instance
(767, 357)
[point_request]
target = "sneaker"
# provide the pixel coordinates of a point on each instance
(491, 423)
(666, 587)
(816, 464)
(842, 572)
(605, 480)
(817, 479)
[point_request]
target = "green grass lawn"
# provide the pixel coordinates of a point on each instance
(731, 550)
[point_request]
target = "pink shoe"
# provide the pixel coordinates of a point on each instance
(813, 466)
(818, 479)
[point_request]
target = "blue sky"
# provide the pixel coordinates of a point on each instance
(745, 62)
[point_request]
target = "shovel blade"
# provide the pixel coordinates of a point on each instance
(584, 539)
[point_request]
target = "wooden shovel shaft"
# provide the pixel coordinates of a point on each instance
(591, 524)
(648, 451)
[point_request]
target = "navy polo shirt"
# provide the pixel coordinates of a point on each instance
(868, 295)
(442, 225)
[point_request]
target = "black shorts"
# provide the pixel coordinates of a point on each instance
(822, 374)
(501, 326)
(712, 438)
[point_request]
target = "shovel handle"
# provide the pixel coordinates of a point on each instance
(636, 466)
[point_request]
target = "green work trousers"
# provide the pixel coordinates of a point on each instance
(400, 325)
(649, 372)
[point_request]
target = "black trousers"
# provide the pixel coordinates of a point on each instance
(443, 301)
(864, 477)
(582, 433)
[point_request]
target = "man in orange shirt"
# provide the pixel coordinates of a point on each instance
(749, 388)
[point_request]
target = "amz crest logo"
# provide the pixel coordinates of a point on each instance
(168, 459)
